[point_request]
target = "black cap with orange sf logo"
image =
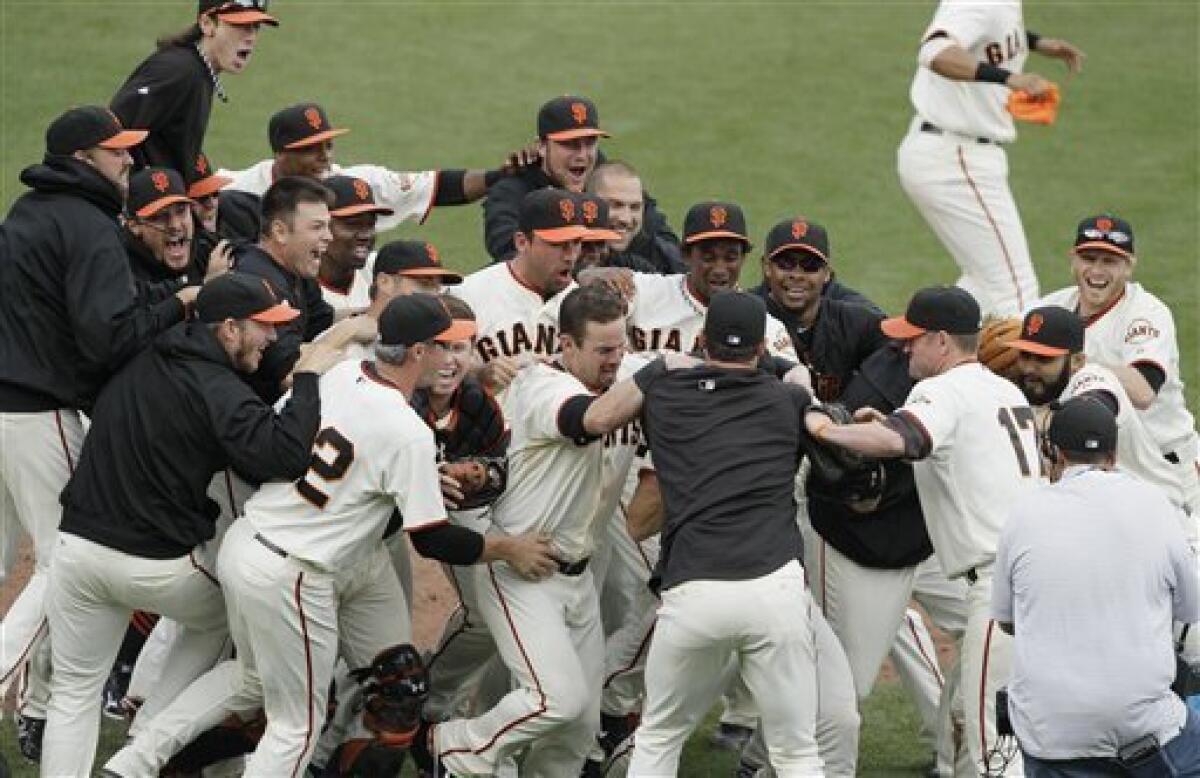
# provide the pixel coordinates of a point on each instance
(301, 125)
(153, 189)
(567, 118)
(1050, 331)
(554, 215)
(715, 219)
(238, 11)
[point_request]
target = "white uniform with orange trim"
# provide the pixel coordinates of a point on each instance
(355, 298)
(410, 195)
(980, 455)
(548, 632)
(1139, 328)
(955, 170)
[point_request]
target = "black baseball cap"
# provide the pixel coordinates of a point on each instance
(797, 234)
(239, 11)
(413, 258)
(416, 318)
(239, 296)
(89, 126)
(202, 181)
(554, 215)
(569, 117)
(1085, 425)
(595, 217)
(935, 309)
(300, 125)
(735, 319)
(1106, 233)
(352, 196)
(1050, 331)
(152, 189)
(714, 219)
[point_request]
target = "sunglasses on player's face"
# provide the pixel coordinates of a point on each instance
(790, 261)
(1112, 236)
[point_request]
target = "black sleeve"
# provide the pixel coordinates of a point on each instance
(649, 374)
(154, 94)
(870, 335)
(570, 419)
(800, 396)
(448, 543)
(263, 445)
(319, 313)
(917, 444)
(275, 364)
(1153, 374)
(154, 292)
(239, 215)
(500, 212)
(776, 366)
(450, 189)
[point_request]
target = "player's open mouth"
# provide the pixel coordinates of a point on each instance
(178, 249)
(577, 172)
(242, 56)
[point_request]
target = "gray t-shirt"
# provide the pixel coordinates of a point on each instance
(1091, 571)
(726, 446)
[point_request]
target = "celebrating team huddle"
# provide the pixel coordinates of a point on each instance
(228, 418)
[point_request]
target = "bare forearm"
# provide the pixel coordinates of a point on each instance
(871, 439)
(1141, 394)
(615, 408)
(955, 63)
(644, 516)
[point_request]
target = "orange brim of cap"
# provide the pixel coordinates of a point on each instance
(354, 210)
(248, 16)
(276, 314)
(799, 247)
(586, 132)
(148, 210)
(712, 235)
(899, 328)
(563, 234)
(1102, 246)
(425, 272)
(207, 186)
(1041, 349)
(313, 140)
(125, 139)
(597, 235)
(459, 329)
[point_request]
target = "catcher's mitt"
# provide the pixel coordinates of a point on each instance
(396, 685)
(830, 463)
(994, 352)
(481, 479)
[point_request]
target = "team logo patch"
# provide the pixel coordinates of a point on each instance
(160, 181)
(432, 252)
(1140, 331)
(566, 209)
(717, 216)
(1104, 224)
(313, 117)
(579, 113)
(591, 211)
(362, 190)
(799, 229)
(1034, 325)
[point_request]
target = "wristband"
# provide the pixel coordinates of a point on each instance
(492, 176)
(991, 74)
(1032, 39)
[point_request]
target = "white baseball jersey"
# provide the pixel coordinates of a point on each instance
(1140, 328)
(983, 453)
(620, 449)
(373, 454)
(991, 32)
(1137, 452)
(554, 483)
(410, 195)
(356, 297)
(666, 316)
(511, 317)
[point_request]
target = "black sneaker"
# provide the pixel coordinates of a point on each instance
(421, 750)
(731, 737)
(114, 691)
(30, 732)
(613, 730)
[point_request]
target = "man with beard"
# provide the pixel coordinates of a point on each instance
(159, 228)
(568, 131)
(619, 185)
(352, 225)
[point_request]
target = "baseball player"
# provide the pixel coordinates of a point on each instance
(301, 138)
(972, 439)
(619, 185)
(1132, 333)
(303, 572)
(352, 225)
(952, 163)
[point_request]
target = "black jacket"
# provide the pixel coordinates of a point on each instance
(304, 294)
(239, 221)
(656, 243)
(162, 427)
(170, 94)
(68, 312)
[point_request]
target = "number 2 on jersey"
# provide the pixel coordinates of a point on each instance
(1014, 420)
(328, 470)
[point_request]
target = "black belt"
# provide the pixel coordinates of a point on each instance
(270, 546)
(936, 130)
(574, 568)
(971, 576)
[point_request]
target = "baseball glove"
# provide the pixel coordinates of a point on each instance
(481, 479)
(830, 463)
(1036, 110)
(994, 352)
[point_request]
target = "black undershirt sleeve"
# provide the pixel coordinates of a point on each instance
(570, 419)
(916, 443)
(1153, 374)
(448, 543)
(450, 189)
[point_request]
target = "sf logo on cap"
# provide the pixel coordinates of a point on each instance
(160, 181)
(718, 216)
(432, 252)
(566, 209)
(799, 229)
(1104, 224)
(579, 113)
(313, 117)
(1034, 325)
(362, 190)
(591, 211)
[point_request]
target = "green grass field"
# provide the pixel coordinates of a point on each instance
(784, 107)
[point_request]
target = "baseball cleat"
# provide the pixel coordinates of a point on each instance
(730, 737)
(30, 732)
(114, 692)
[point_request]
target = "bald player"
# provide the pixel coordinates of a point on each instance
(972, 438)
(952, 163)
